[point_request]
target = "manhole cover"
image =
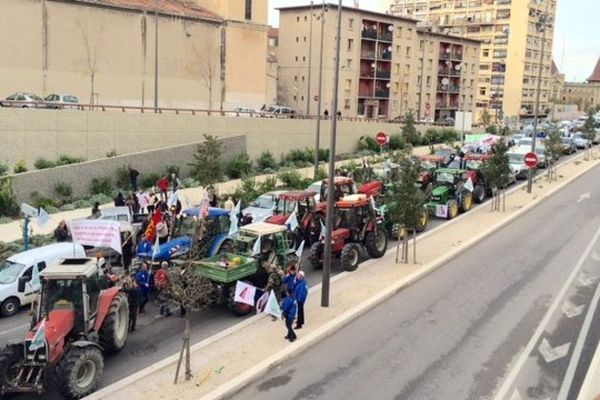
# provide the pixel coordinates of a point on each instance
(142, 350)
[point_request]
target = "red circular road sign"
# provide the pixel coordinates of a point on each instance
(381, 138)
(531, 159)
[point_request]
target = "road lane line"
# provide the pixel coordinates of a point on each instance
(13, 329)
(508, 382)
(587, 325)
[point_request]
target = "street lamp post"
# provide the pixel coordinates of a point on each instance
(310, 35)
(318, 132)
(541, 25)
(156, 57)
(330, 176)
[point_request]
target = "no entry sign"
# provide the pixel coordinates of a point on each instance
(381, 138)
(531, 159)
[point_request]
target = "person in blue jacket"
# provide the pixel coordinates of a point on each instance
(143, 279)
(300, 293)
(288, 314)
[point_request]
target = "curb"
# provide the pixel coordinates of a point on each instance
(236, 384)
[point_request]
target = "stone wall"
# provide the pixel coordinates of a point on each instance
(79, 176)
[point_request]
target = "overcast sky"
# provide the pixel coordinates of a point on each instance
(577, 32)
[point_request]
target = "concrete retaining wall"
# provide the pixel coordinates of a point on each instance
(79, 176)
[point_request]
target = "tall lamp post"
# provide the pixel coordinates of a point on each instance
(541, 25)
(156, 57)
(320, 90)
(310, 37)
(329, 212)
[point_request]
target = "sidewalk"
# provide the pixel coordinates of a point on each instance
(224, 363)
(13, 230)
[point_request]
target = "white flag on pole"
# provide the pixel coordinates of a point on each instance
(292, 221)
(35, 277)
(272, 306)
(300, 249)
(469, 185)
(39, 339)
(156, 247)
(256, 248)
(43, 218)
(244, 293)
(323, 229)
(233, 218)
(172, 202)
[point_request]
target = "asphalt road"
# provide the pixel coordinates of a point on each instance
(458, 332)
(157, 337)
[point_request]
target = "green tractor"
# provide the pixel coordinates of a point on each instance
(394, 230)
(449, 195)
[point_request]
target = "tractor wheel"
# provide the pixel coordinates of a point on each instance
(479, 194)
(9, 307)
(376, 243)
(466, 202)
(238, 309)
(78, 373)
(113, 332)
(350, 257)
(452, 208)
(315, 255)
(9, 370)
(423, 220)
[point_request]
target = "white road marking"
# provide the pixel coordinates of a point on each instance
(585, 196)
(14, 329)
(512, 375)
(595, 256)
(571, 310)
(550, 353)
(516, 395)
(586, 279)
(585, 328)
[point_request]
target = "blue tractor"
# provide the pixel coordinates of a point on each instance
(214, 241)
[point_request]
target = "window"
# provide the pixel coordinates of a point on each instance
(349, 63)
(296, 78)
(248, 9)
(302, 78)
(296, 58)
(485, 53)
(304, 39)
(348, 84)
(351, 23)
(297, 39)
(304, 58)
(350, 44)
(346, 104)
(408, 51)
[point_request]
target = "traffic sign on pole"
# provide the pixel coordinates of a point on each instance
(531, 159)
(381, 138)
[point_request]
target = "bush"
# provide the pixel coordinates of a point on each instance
(20, 167)
(239, 166)
(368, 144)
(65, 159)
(396, 142)
(37, 201)
(321, 174)
(323, 154)
(82, 204)
(101, 186)
(42, 163)
(291, 179)
(149, 180)
(8, 203)
(63, 190)
(100, 198)
(266, 161)
(269, 184)
(112, 153)
(298, 157)
(172, 169)
(122, 173)
(248, 190)
(492, 129)
(67, 207)
(190, 182)
(3, 169)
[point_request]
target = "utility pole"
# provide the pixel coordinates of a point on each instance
(319, 94)
(310, 35)
(330, 176)
(541, 27)
(156, 57)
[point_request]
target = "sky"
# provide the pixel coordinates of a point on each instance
(576, 36)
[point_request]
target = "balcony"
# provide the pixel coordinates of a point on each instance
(383, 74)
(367, 73)
(386, 55)
(456, 56)
(367, 55)
(382, 93)
(385, 36)
(369, 34)
(448, 88)
(365, 92)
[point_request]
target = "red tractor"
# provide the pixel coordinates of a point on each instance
(356, 225)
(308, 215)
(429, 164)
(472, 164)
(78, 319)
(344, 186)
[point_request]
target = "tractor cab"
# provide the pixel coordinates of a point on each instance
(300, 201)
(428, 165)
(450, 194)
(77, 320)
(273, 239)
(473, 161)
(343, 186)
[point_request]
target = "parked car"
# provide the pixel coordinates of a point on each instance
(581, 142)
(448, 121)
(248, 112)
(262, 207)
(21, 265)
(23, 100)
(427, 121)
(61, 101)
(541, 153)
(516, 159)
(568, 145)
(280, 111)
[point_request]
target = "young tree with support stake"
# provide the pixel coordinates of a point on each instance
(191, 292)
(405, 204)
(589, 129)
(554, 151)
(497, 172)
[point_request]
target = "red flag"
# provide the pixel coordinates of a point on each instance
(151, 229)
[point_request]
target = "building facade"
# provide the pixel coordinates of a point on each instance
(511, 49)
(388, 66)
(211, 54)
(584, 94)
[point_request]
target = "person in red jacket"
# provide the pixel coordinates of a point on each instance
(161, 281)
(163, 186)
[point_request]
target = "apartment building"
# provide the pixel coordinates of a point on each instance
(388, 66)
(511, 46)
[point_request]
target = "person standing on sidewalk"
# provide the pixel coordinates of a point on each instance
(300, 293)
(143, 279)
(132, 290)
(163, 186)
(289, 280)
(161, 282)
(288, 314)
(133, 176)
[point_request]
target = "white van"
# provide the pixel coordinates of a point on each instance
(22, 264)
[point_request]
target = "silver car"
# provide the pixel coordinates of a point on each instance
(263, 206)
(581, 142)
(57, 101)
(22, 100)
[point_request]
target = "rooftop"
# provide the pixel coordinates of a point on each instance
(595, 77)
(353, 9)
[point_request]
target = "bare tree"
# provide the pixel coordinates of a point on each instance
(205, 67)
(191, 292)
(91, 47)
